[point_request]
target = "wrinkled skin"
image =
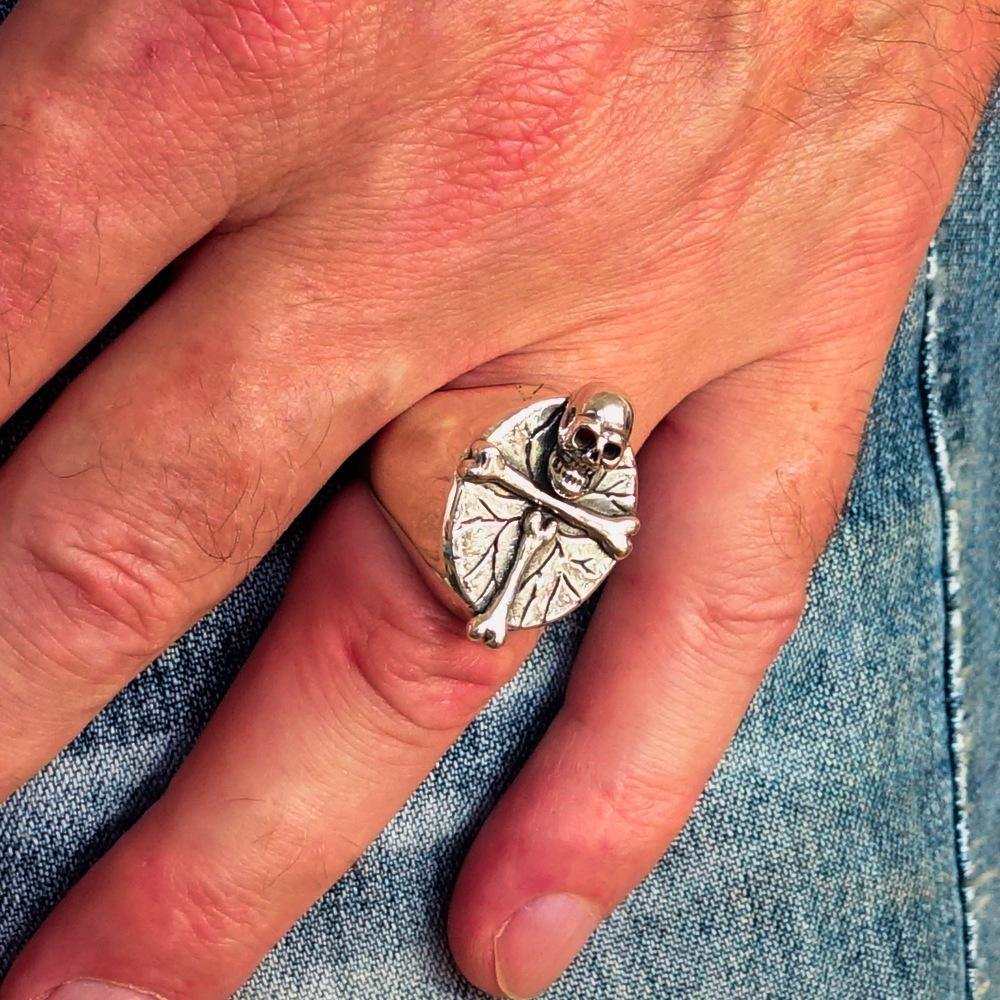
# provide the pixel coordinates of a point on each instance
(718, 207)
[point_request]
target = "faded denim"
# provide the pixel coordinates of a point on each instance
(847, 846)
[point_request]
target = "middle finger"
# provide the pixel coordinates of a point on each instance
(169, 468)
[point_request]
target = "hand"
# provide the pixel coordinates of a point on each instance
(401, 214)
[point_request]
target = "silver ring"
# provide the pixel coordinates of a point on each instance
(541, 508)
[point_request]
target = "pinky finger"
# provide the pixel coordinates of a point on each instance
(745, 479)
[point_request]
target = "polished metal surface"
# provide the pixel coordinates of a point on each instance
(520, 551)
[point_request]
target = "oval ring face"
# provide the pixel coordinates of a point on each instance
(485, 521)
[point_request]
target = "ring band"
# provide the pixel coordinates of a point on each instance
(541, 508)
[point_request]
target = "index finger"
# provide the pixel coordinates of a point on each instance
(117, 123)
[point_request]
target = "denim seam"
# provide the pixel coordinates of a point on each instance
(953, 666)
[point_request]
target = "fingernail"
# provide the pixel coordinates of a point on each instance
(533, 948)
(93, 989)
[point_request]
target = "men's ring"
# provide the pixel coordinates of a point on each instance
(541, 508)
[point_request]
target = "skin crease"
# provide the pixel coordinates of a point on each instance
(717, 207)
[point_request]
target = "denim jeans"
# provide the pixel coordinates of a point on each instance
(848, 845)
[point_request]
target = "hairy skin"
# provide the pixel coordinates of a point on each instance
(384, 218)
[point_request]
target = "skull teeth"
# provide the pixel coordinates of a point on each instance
(572, 478)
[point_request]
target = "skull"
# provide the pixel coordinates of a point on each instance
(593, 436)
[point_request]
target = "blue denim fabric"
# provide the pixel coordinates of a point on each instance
(847, 846)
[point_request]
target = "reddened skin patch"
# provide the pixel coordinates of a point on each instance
(502, 141)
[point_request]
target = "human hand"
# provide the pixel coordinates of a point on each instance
(403, 213)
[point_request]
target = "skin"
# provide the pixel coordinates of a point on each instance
(385, 214)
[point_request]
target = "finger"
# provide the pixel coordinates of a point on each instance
(362, 681)
(359, 685)
(422, 446)
(172, 464)
(167, 470)
(742, 482)
(120, 125)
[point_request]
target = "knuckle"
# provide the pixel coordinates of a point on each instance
(210, 903)
(206, 907)
(416, 660)
(747, 614)
(107, 574)
(747, 603)
(644, 804)
(643, 799)
(215, 911)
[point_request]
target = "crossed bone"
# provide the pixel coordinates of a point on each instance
(486, 464)
(491, 626)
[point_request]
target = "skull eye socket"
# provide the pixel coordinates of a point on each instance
(612, 452)
(584, 438)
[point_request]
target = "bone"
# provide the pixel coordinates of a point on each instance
(485, 464)
(491, 626)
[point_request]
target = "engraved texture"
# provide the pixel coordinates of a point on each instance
(484, 523)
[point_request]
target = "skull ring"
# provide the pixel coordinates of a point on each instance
(540, 510)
